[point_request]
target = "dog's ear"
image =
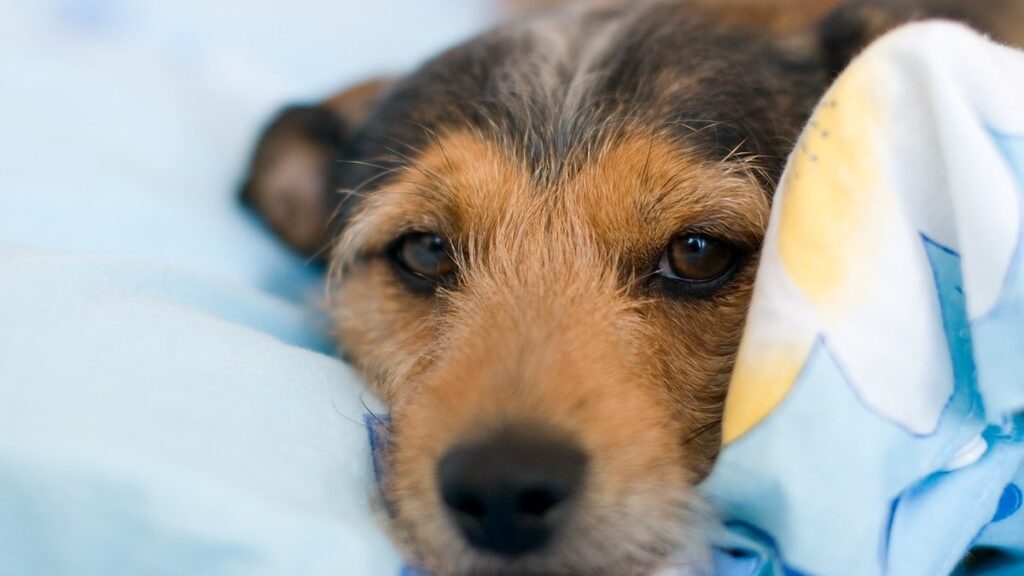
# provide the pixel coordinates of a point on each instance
(856, 23)
(292, 176)
(778, 17)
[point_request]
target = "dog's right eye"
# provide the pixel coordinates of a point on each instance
(425, 257)
(695, 265)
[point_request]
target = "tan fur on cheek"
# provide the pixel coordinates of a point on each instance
(386, 331)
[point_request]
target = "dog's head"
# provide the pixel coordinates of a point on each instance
(541, 256)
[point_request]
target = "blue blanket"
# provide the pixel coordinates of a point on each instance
(875, 419)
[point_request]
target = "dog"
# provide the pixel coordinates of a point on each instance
(541, 247)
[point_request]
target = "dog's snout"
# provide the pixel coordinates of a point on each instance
(511, 494)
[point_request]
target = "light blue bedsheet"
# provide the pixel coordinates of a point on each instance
(168, 402)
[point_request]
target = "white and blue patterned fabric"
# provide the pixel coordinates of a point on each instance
(875, 423)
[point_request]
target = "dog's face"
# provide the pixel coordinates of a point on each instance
(535, 326)
(542, 260)
(549, 288)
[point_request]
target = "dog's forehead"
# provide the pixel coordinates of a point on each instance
(554, 88)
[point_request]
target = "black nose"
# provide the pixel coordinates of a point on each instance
(510, 494)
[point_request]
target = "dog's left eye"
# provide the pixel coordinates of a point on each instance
(424, 256)
(697, 262)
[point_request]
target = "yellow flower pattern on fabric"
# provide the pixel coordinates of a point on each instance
(828, 198)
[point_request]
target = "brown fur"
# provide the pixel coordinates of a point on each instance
(560, 330)
(560, 156)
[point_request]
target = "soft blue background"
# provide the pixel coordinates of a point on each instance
(168, 403)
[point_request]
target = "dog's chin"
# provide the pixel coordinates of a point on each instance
(688, 561)
(621, 544)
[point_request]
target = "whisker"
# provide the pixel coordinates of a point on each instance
(374, 415)
(702, 430)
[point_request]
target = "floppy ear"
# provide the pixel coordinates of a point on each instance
(855, 24)
(779, 17)
(292, 176)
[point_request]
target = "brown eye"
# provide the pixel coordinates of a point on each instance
(424, 255)
(697, 259)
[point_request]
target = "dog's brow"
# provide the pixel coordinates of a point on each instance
(459, 182)
(646, 188)
(390, 212)
(730, 209)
